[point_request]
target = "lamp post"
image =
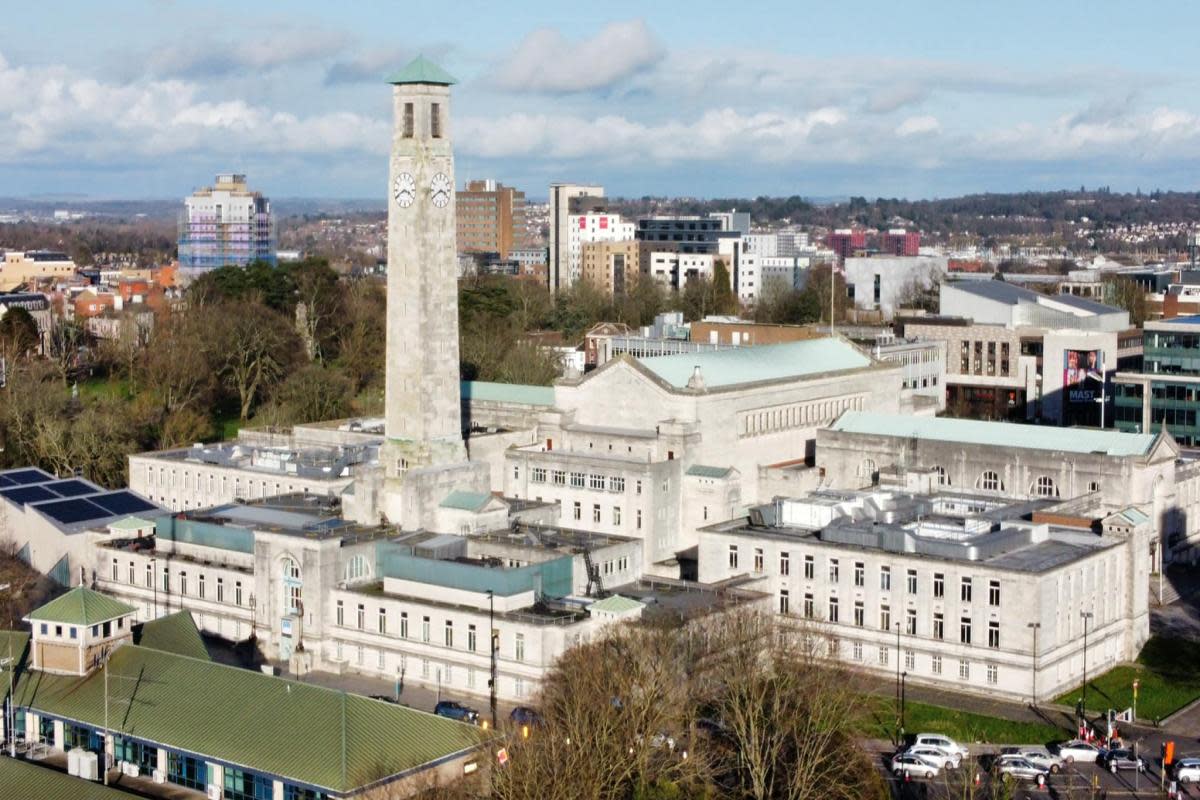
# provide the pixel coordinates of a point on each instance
(1035, 627)
(899, 709)
(154, 584)
(903, 682)
(1085, 615)
(492, 646)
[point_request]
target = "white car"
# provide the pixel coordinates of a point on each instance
(944, 758)
(1079, 750)
(942, 742)
(911, 766)
(1187, 770)
(1039, 757)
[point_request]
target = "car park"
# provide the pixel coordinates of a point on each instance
(944, 758)
(911, 766)
(1015, 767)
(1038, 756)
(1123, 758)
(1080, 751)
(940, 741)
(453, 710)
(1187, 770)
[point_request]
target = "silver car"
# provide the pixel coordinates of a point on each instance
(940, 741)
(1079, 750)
(1014, 767)
(943, 758)
(1040, 757)
(911, 766)
(1187, 770)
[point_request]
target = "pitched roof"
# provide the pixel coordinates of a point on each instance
(81, 606)
(466, 501)
(22, 779)
(303, 733)
(422, 70)
(997, 434)
(616, 604)
(741, 365)
(176, 633)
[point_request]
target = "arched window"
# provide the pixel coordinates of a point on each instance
(1044, 487)
(357, 567)
(291, 569)
(990, 481)
(868, 470)
(943, 478)
(292, 586)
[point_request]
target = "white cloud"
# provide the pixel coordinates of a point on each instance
(207, 57)
(916, 126)
(1160, 134)
(546, 61)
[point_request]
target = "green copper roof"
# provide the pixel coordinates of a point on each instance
(996, 434)
(22, 779)
(81, 606)
(616, 605)
(131, 524)
(176, 633)
(703, 471)
(769, 362)
(466, 501)
(519, 393)
(293, 731)
(422, 70)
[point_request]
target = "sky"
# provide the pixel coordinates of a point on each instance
(151, 98)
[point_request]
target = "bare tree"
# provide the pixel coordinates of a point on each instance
(253, 347)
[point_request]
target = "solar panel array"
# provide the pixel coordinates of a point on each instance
(69, 512)
(68, 501)
(70, 488)
(24, 477)
(28, 494)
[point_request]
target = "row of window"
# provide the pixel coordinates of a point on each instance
(935, 663)
(579, 480)
(937, 631)
(443, 673)
(384, 627)
(185, 586)
(797, 415)
(966, 584)
(597, 516)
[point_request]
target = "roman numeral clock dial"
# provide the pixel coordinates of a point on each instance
(404, 190)
(439, 190)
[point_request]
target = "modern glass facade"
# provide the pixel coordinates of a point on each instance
(1170, 385)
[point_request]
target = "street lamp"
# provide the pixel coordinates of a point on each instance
(1085, 615)
(492, 646)
(1035, 626)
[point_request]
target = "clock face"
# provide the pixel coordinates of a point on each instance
(404, 189)
(439, 190)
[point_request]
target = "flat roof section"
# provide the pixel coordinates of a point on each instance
(996, 434)
(769, 362)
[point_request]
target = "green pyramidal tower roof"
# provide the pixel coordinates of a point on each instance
(81, 606)
(422, 70)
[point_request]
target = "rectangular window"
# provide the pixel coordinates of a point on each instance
(833, 609)
(784, 564)
(638, 488)
(537, 475)
(993, 674)
(237, 593)
(341, 613)
(883, 656)
(616, 484)
(935, 665)
(856, 651)
(733, 556)
(183, 583)
(132, 579)
(965, 590)
(885, 579)
(994, 634)
(783, 601)
(939, 626)
(964, 670)
(860, 573)
(220, 590)
(596, 481)
(558, 477)
(859, 614)
(424, 629)
(471, 638)
(382, 621)
(577, 480)
(361, 617)
(809, 567)
(910, 621)
(408, 120)
(149, 575)
(911, 581)
(200, 586)
(758, 559)
(596, 512)
(808, 605)
(910, 660)
(994, 593)
(435, 120)
(833, 570)
(449, 633)
(639, 519)
(964, 630)
(403, 624)
(519, 647)
(115, 569)
(939, 585)
(578, 510)
(885, 618)
(616, 515)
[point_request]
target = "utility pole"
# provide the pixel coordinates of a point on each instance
(1036, 626)
(493, 644)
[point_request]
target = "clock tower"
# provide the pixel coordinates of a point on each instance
(424, 451)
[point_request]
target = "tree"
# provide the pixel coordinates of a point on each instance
(19, 334)
(318, 305)
(362, 335)
(1128, 295)
(175, 367)
(63, 345)
(312, 394)
(253, 347)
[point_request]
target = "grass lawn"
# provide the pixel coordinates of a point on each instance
(961, 725)
(1168, 673)
(109, 388)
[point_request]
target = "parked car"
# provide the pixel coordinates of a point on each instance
(1123, 758)
(1015, 767)
(940, 741)
(453, 710)
(1187, 770)
(1079, 750)
(911, 766)
(1038, 756)
(524, 715)
(943, 758)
